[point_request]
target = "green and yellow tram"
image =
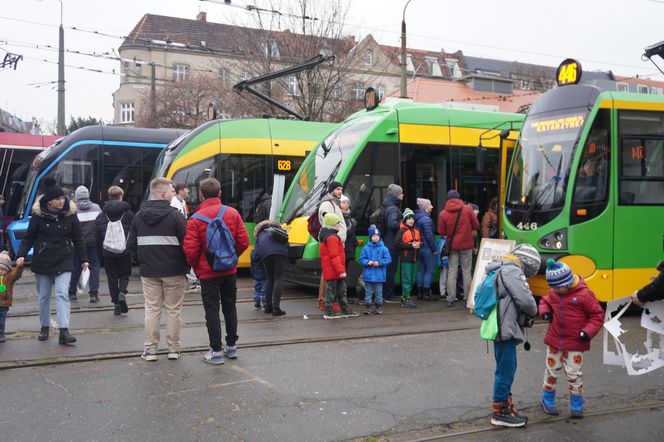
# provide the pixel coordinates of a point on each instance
(586, 184)
(425, 148)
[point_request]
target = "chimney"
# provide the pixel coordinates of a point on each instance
(202, 16)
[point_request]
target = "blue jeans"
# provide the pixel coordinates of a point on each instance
(425, 268)
(93, 260)
(3, 318)
(259, 290)
(391, 272)
(505, 369)
(45, 284)
(373, 289)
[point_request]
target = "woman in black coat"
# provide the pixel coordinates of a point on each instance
(271, 248)
(54, 232)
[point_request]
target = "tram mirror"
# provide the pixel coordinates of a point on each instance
(480, 160)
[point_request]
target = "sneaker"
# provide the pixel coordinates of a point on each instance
(367, 310)
(149, 356)
(122, 302)
(116, 310)
(257, 305)
(329, 314)
(193, 287)
(379, 310)
(173, 355)
(73, 298)
(94, 298)
(504, 417)
(348, 313)
(449, 303)
(214, 357)
(407, 303)
(231, 352)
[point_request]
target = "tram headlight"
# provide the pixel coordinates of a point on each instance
(554, 241)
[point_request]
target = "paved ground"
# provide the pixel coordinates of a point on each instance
(406, 375)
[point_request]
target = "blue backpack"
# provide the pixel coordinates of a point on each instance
(485, 295)
(220, 245)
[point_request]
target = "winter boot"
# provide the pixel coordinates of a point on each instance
(516, 412)
(576, 402)
(503, 416)
(418, 292)
(66, 338)
(43, 334)
(427, 295)
(548, 402)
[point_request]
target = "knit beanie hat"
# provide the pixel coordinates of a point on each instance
(344, 198)
(558, 274)
(333, 185)
(529, 259)
(407, 214)
(52, 190)
(453, 194)
(331, 219)
(423, 203)
(5, 261)
(394, 189)
(373, 230)
(82, 193)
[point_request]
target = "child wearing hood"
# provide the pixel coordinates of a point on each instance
(575, 317)
(375, 258)
(408, 242)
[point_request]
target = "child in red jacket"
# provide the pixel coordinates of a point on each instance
(333, 264)
(575, 317)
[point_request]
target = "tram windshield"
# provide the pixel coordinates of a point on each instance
(542, 161)
(319, 170)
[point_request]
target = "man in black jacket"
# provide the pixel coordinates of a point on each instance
(653, 291)
(391, 224)
(156, 236)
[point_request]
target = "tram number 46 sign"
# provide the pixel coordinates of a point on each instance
(284, 165)
(569, 72)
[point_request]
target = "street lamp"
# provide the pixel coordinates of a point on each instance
(62, 130)
(404, 86)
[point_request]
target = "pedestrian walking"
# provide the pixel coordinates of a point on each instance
(390, 224)
(409, 242)
(375, 258)
(216, 231)
(456, 222)
(575, 317)
(87, 213)
(426, 259)
(489, 224)
(55, 233)
(113, 226)
(272, 251)
(515, 303)
(333, 263)
(156, 237)
(8, 278)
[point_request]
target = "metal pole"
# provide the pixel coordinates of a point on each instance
(404, 85)
(153, 96)
(62, 129)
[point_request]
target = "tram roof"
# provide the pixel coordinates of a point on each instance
(116, 133)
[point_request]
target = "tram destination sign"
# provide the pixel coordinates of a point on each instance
(568, 72)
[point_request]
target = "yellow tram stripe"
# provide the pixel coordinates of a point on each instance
(450, 135)
(633, 105)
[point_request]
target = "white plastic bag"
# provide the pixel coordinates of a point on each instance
(83, 281)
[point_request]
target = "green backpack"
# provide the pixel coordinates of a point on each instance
(489, 328)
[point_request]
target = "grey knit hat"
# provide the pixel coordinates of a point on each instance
(394, 189)
(82, 193)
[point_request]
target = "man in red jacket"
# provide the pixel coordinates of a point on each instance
(457, 222)
(216, 287)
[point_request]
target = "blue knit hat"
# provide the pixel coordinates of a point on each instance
(558, 274)
(373, 230)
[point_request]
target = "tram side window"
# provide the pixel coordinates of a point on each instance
(122, 166)
(592, 177)
(376, 168)
(642, 171)
(192, 175)
(243, 180)
(79, 168)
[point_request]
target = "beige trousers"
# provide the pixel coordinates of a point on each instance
(163, 294)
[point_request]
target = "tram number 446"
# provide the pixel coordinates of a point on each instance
(527, 226)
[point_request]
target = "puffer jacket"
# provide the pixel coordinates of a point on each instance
(574, 312)
(391, 221)
(332, 256)
(195, 241)
(87, 212)
(156, 236)
(375, 251)
(113, 210)
(425, 225)
(516, 299)
(7, 297)
(330, 204)
(265, 244)
(54, 237)
(405, 238)
(489, 219)
(462, 239)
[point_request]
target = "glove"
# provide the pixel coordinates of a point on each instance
(547, 316)
(584, 336)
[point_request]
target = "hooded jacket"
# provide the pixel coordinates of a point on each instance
(425, 224)
(462, 238)
(156, 236)
(405, 238)
(515, 298)
(574, 312)
(265, 244)
(332, 256)
(55, 237)
(113, 210)
(87, 213)
(375, 251)
(263, 208)
(195, 239)
(391, 220)
(330, 204)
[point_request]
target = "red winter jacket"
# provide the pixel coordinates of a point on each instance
(574, 312)
(194, 239)
(463, 237)
(332, 254)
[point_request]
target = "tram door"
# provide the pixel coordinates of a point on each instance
(424, 175)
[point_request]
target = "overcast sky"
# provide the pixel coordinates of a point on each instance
(602, 34)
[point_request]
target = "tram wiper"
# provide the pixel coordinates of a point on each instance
(553, 183)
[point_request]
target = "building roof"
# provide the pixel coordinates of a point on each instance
(418, 57)
(639, 81)
(26, 141)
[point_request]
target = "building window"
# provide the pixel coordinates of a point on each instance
(622, 87)
(655, 90)
(127, 112)
(126, 71)
(488, 72)
(336, 90)
(642, 89)
(293, 86)
(380, 91)
(453, 66)
(368, 57)
(223, 76)
(434, 67)
(358, 91)
(271, 49)
(409, 63)
(180, 72)
(138, 69)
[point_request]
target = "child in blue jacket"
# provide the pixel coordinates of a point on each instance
(441, 262)
(375, 258)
